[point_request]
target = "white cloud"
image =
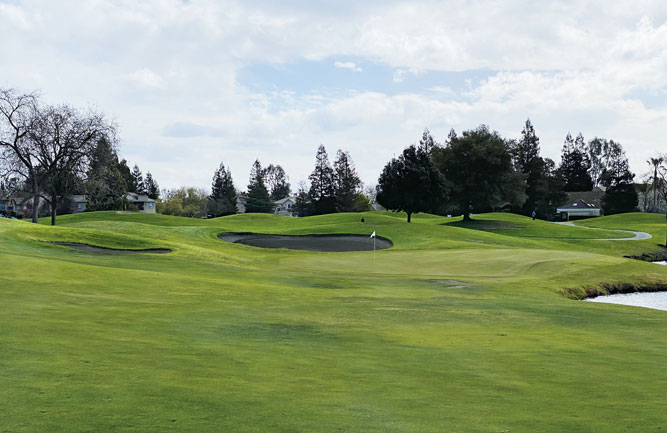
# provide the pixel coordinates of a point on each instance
(348, 65)
(168, 71)
(145, 78)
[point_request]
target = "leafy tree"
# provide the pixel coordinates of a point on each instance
(479, 173)
(620, 195)
(138, 185)
(302, 201)
(105, 186)
(322, 189)
(347, 184)
(151, 188)
(258, 199)
(184, 201)
(277, 182)
(362, 203)
(411, 183)
(64, 139)
(222, 200)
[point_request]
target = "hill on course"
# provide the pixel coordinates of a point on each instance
(458, 327)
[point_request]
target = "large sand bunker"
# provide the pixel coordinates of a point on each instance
(327, 243)
(102, 250)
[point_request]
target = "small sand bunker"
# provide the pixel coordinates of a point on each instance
(102, 250)
(324, 243)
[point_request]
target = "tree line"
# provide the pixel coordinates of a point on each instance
(481, 171)
(333, 188)
(55, 151)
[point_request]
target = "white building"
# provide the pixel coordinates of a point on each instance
(285, 206)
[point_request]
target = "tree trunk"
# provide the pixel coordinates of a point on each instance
(54, 204)
(466, 216)
(409, 216)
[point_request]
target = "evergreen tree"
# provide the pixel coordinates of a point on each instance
(527, 161)
(322, 191)
(222, 200)
(302, 202)
(105, 186)
(151, 188)
(575, 165)
(620, 195)
(411, 183)
(277, 182)
(347, 184)
(258, 199)
(138, 186)
(126, 173)
(427, 142)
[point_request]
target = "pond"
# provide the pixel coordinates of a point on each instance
(654, 300)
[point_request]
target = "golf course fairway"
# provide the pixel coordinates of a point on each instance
(458, 327)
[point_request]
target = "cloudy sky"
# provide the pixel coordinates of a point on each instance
(193, 83)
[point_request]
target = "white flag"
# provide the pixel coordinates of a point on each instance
(373, 235)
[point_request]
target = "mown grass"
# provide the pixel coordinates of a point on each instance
(458, 327)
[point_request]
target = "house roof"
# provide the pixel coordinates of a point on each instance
(139, 198)
(578, 204)
(285, 200)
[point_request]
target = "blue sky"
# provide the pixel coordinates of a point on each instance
(195, 83)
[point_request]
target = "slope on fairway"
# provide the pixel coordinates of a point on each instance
(455, 328)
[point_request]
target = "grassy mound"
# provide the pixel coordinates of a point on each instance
(458, 327)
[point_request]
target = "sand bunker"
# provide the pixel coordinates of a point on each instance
(326, 243)
(102, 250)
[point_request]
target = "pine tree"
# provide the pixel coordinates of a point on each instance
(347, 184)
(427, 143)
(138, 186)
(302, 201)
(621, 195)
(322, 192)
(151, 188)
(222, 200)
(527, 161)
(105, 186)
(575, 165)
(258, 199)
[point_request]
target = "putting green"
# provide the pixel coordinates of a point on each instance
(458, 327)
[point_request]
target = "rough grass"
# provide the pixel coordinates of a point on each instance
(456, 328)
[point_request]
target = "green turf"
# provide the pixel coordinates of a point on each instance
(460, 327)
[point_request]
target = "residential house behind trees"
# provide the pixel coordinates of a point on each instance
(222, 200)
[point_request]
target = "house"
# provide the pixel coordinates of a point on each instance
(578, 209)
(285, 206)
(79, 203)
(143, 203)
(7, 204)
(593, 197)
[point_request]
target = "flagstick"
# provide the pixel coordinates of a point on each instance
(373, 248)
